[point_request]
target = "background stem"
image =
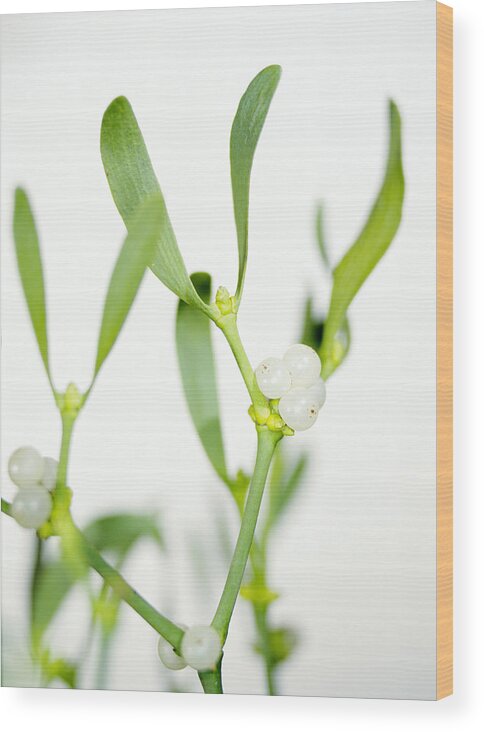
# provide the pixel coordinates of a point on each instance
(260, 617)
(228, 325)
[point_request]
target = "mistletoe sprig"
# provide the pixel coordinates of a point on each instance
(285, 394)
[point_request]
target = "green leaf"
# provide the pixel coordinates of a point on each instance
(136, 254)
(197, 368)
(246, 129)
(30, 269)
(119, 532)
(132, 179)
(372, 243)
(54, 669)
(281, 642)
(281, 488)
(53, 583)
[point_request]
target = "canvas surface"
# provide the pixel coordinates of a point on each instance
(353, 557)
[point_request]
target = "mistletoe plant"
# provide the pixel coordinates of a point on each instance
(285, 394)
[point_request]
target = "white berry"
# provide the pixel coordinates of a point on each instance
(50, 473)
(303, 364)
(299, 409)
(318, 392)
(201, 647)
(25, 467)
(168, 656)
(273, 377)
(31, 507)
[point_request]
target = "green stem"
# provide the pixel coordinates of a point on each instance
(68, 421)
(211, 681)
(128, 594)
(6, 507)
(103, 660)
(266, 443)
(228, 325)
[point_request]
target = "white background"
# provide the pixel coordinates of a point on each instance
(462, 709)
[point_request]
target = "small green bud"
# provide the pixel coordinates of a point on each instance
(105, 610)
(224, 301)
(287, 431)
(275, 422)
(258, 594)
(72, 398)
(261, 414)
(251, 412)
(46, 530)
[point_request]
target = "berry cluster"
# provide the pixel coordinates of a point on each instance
(295, 381)
(35, 476)
(200, 649)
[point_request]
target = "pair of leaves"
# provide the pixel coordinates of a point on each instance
(136, 254)
(131, 178)
(363, 256)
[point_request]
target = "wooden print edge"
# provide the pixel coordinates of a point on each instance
(444, 71)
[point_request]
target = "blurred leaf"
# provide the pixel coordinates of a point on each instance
(30, 269)
(119, 532)
(282, 642)
(54, 669)
(312, 330)
(313, 327)
(105, 611)
(281, 488)
(197, 368)
(132, 179)
(372, 243)
(320, 236)
(136, 254)
(239, 487)
(246, 129)
(53, 582)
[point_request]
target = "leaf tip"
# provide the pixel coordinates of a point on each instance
(20, 196)
(115, 111)
(117, 103)
(274, 69)
(394, 114)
